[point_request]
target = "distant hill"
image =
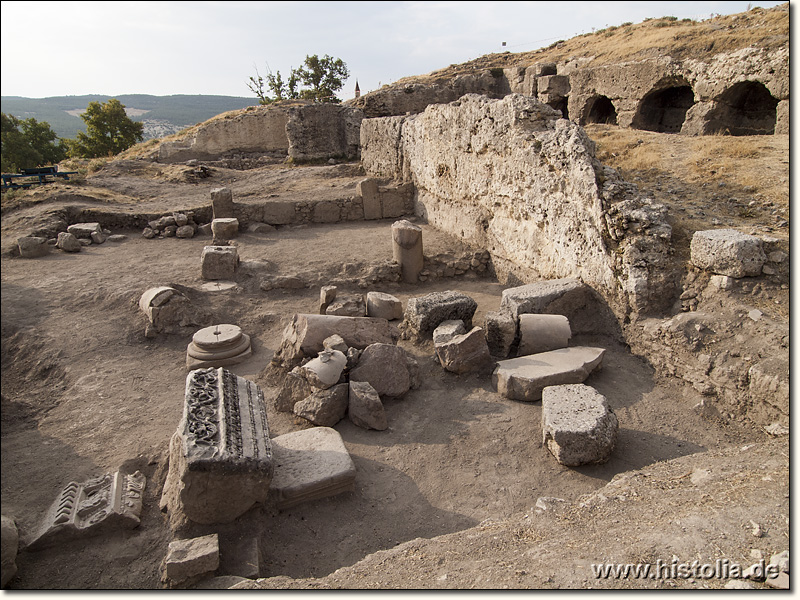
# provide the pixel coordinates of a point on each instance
(161, 115)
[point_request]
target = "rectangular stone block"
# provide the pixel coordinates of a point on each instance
(192, 558)
(326, 212)
(279, 213)
(728, 252)
(219, 262)
(538, 296)
(368, 190)
(221, 460)
(102, 504)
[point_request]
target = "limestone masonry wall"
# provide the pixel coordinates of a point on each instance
(512, 177)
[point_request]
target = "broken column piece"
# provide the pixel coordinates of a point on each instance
(218, 346)
(407, 249)
(542, 333)
(111, 501)
(220, 461)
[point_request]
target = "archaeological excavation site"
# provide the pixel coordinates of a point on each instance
(509, 325)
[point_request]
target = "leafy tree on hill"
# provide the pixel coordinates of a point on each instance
(322, 78)
(28, 143)
(109, 131)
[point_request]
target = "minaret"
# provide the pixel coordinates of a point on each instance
(358, 91)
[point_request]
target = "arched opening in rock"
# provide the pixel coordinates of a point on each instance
(600, 109)
(746, 108)
(664, 110)
(562, 106)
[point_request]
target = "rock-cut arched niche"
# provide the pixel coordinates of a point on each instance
(745, 108)
(600, 109)
(664, 110)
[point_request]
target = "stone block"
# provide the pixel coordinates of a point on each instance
(385, 367)
(305, 334)
(465, 353)
(192, 558)
(349, 305)
(425, 313)
(295, 388)
(447, 330)
(68, 242)
(98, 237)
(325, 370)
(553, 85)
(324, 408)
(225, 229)
(395, 201)
(9, 546)
(728, 252)
(279, 213)
(578, 425)
(501, 329)
(84, 230)
(523, 378)
(33, 247)
(155, 297)
(219, 262)
(326, 212)
(384, 306)
(221, 460)
(365, 408)
(542, 333)
(310, 464)
(335, 342)
(537, 297)
(222, 204)
(240, 558)
(100, 505)
(368, 190)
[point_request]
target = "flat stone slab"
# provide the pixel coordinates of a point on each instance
(523, 378)
(219, 286)
(578, 425)
(99, 505)
(221, 460)
(536, 297)
(217, 336)
(310, 464)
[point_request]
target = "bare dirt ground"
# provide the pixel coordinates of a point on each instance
(84, 392)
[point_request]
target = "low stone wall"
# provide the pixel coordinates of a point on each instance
(512, 177)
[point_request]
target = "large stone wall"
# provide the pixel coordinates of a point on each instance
(322, 131)
(513, 177)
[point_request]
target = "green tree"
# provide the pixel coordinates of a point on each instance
(322, 78)
(27, 143)
(109, 131)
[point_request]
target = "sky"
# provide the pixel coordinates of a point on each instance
(213, 48)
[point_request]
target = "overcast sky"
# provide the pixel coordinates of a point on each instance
(165, 48)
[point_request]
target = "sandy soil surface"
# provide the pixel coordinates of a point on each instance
(85, 392)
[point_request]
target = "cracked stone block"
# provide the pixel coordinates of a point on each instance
(225, 229)
(465, 353)
(578, 425)
(219, 262)
(84, 230)
(538, 296)
(324, 408)
(222, 203)
(350, 305)
(447, 330)
(425, 313)
(310, 464)
(728, 252)
(100, 505)
(221, 460)
(523, 378)
(192, 558)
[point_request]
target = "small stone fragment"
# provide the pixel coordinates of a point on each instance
(327, 294)
(68, 242)
(192, 558)
(447, 331)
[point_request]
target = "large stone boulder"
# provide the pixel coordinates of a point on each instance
(324, 408)
(728, 252)
(68, 242)
(386, 368)
(293, 389)
(578, 425)
(33, 247)
(523, 378)
(425, 313)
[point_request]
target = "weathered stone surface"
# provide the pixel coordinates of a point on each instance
(347, 305)
(368, 190)
(425, 313)
(222, 582)
(501, 329)
(221, 459)
(728, 252)
(222, 204)
(184, 232)
(155, 297)
(327, 294)
(100, 505)
(525, 377)
(84, 230)
(578, 425)
(465, 353)
(305, 334)
(260, 228)
(240, 558)
(407, 249)
(324, 130)
(310, 464)
(98, 237)
(335, 342)
(325, 370)
(219, 262)
(295, 387)
(192, 558)
(9, 546)
(324, 408)
(385, 368)
(68, 242)
(117, 237)
(225, 229)
(279, 213)
(447, 330)
(542, 333)
(384, 306)
(218, 346)
(537, 297)
(365, 408)
(33, 247)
